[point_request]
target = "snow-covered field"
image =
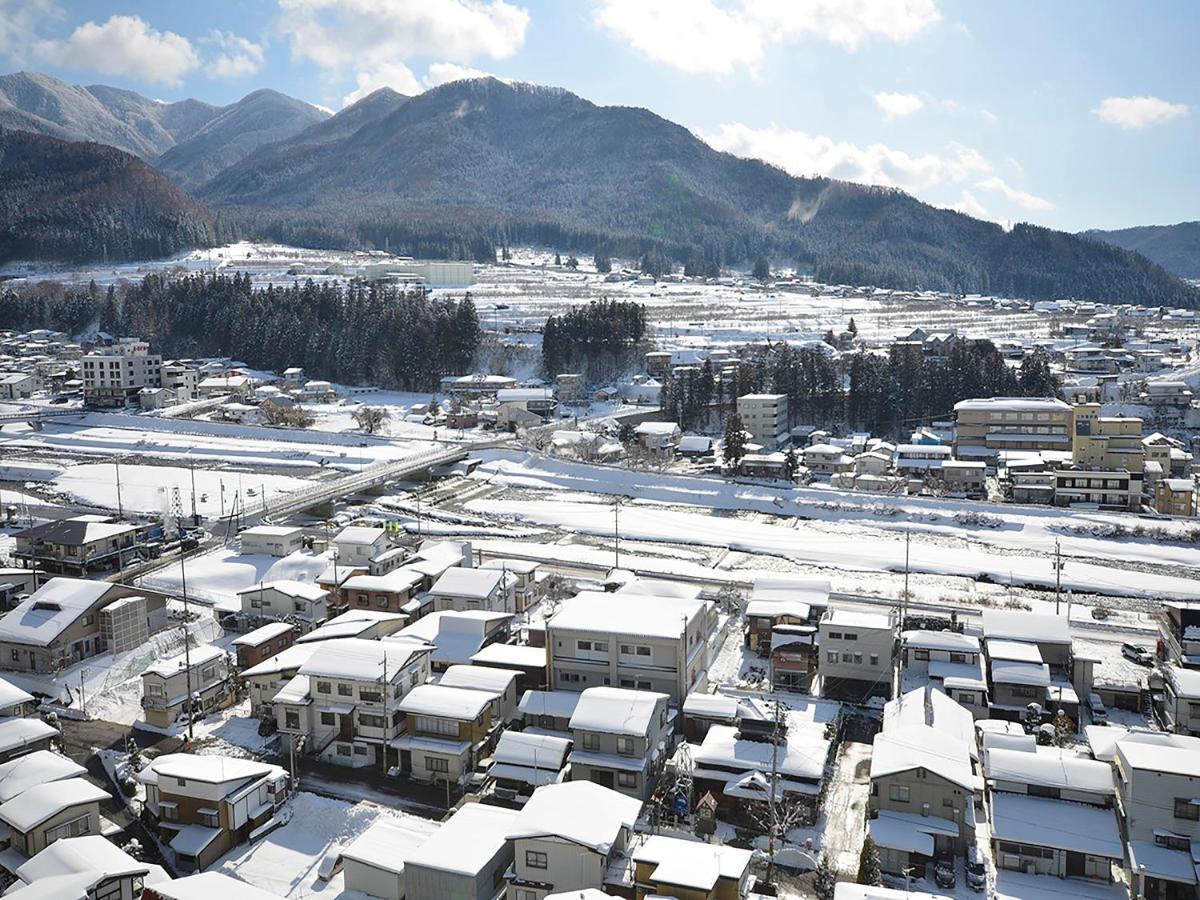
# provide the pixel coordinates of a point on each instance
(286, 861)
(217, 576)
(824, 528)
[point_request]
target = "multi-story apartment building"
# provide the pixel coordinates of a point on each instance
(857, 649)
(180, 378)
(630, 640)
(1108, 462)
(986, 426)
(765, 416)
(203, 806)
(113, 376)
(1158, 781)
(621, 739)
(167, 684)
(344, 704)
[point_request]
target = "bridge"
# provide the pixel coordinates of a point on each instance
(36, 415)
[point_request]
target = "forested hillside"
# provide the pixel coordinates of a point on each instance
(1174, 247)
(73, 201)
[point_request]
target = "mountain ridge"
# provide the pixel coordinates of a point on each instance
(1174, 247)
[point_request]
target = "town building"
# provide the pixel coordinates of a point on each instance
(113, 376)
(44, 813)
(204, 806)
(765, 416)
(167, 684)
(79, 545)
(987, 426)
(271, 540)
(621, 739)
(857, 651)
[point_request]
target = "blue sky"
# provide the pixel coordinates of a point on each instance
(1070, 114)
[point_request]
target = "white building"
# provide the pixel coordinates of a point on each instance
(856, 653)
(271, 540)
(621, 739)
(765, 416)
(113, 376)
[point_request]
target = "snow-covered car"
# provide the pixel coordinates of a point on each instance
(1096, 709)
(1137, 654)
(943, 872)
(976, 870)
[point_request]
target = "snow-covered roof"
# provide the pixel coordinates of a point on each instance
(930, 706)
(941, 640)
(467, 841)
(617, 710)
(850, 618)
(517, 566)
(473, 584)
(445, 702)
(1056, 823)
(208, 769)
(39, 767)
(349, 624)
(292, 658)
(694, 865)
(394, 582)
(1154, 756)
(711, 706)
(1032, 674)
(1018, 625)
(50, 610)
(207, 885)
(845, 890)
(456, 636)
(37, 804)
(516, 655)
(359, 534)
(655, 587)
(301, 590)
(557, 704)
(791, 589)
(1049, 769)
(533, 758)
(165, 668)
(628, 614)
(17, 732)
(11, 695)
(479, 678)
(1012, 404)
(578, 811)
(909, 832)
(1156, 861)
(86, 860)
(263, 633)
(356, 659)
(1186, 682)
(911, 747)
(281, 531)
(802, 755)
(386, 845)
(1016, 651)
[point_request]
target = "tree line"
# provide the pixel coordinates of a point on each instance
(353, 332)
(888, 394)
(599, 340)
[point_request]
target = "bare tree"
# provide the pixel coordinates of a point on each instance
(370, 418)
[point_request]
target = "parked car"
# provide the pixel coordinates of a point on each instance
(1096, 709)
(1138, 654)
(943, 872)
(976, 869)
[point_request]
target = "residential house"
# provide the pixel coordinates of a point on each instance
(344, 703)
(60, 623)
(446, 731)
(368, 624)
(1041, 836)
(19, 737)
(1051, 633)
(621, 739)
(791, 600)
(78, 545)
(671, 867)
(951, 661)
(1179, 632)
(524, 761)
(827, 459)
(204, 806)
(527, 661)
(373, 863)
(465, 859)
(523, 581)
(460, 589)
(262, 643)
(18, 385)
(271, 540)
(40, 815)
(659, 438)
(457, 636)
(393, 592)
(1175, 497)
(1181, 699)
(631, 640)
(202, 675)
(300, 602)
(524, 406)
(357, 545)
(265, 680)
(39, 767)
(569, 837)
(14, 701)
(204, 885)
(856, 653)
(547, 712)
(88, 867)
(500, 683)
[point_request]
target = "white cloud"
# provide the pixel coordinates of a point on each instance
(953, 166)
(897, 106)
(1023, 199)
(1132, 113)
(713, 37)
(19, 24)
(988, 116)
(397, 76)
(440, 73)
(124, 45)
(238, 56)
(695, 36)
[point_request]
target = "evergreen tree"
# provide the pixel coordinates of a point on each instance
(1035, 376)
(762, 270)
(791, 464)
(735, 440)
(572, 263)
(824, 879)
(852, 328)
(868, 864)
(557, 260)
(601, 261)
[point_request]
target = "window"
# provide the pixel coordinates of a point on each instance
(368, 721)
(625, 746)
(626, 682)
(324, 687)
(16, 655)
(874, 659)
(210, 818)
(1186, 808)
(360, 750)
(1024, 690)
(345, 690)
(831, 656)
(381, 601)
(74, 828)
(626, 779)
(643, 651)
(536, 859)
(328, 718)
(344, 750)
(291, 720)
(363, 599)
(370, 696)
(898, 793)
(431, 725)
(88, 620)
(835, 635)
(168, 812)
(847, 656)
(208, 672)
(958, 657)
(523, 894)
(154, 689)
(922, 655)
(591, 741)
(858, 659)
(851, 635)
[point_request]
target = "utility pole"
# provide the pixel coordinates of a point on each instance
(192, 471)
(177, 510)
(1058, 565)
(616, 532)
(383, 747)
(120, 508)
(904, 599)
